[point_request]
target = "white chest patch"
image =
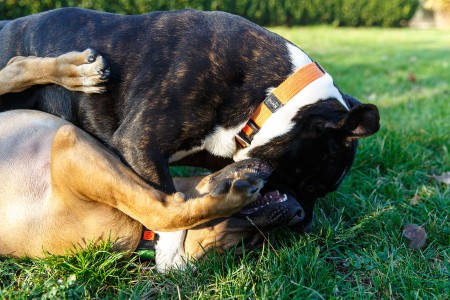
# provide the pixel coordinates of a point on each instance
(222, 142)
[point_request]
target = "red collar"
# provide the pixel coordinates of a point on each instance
(146, 248)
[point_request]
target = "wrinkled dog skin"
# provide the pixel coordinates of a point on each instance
(183, 84)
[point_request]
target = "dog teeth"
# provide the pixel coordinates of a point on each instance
(264, 200)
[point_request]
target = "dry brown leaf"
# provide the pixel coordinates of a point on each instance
(417, 236)
(414, 200)
(412, 77)
(444, 178)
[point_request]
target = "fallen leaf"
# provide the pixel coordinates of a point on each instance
(417, 236)
(444, 178)
(415, 200)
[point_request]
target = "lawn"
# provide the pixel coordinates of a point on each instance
(356, 249)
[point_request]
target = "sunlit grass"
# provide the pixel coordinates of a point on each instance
(356, 249)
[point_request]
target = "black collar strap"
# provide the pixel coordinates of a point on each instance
(146, 248)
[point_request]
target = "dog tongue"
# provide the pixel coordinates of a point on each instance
(263, 200)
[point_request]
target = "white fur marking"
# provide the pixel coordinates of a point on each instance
(280, 122)
(220, 143)
(298, 58)
(170, 250)
(183, 153)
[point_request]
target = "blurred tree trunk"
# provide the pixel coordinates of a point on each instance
(442, 19)
(441, 12)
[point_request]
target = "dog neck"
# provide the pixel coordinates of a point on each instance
(277, 99)
(315, 88)
(221, 142)
(281, 122)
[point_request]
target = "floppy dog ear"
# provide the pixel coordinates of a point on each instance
(352, 102)
(362, 120)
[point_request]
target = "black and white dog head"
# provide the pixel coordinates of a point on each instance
(313, 158)
(311, 141)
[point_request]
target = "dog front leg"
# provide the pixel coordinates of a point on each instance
(81, 168)
(76, 71)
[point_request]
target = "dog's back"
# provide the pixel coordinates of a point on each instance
(160, 62)
(3, 24)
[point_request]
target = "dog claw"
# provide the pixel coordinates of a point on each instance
(242, 186)
(105, 73)
(92, 56)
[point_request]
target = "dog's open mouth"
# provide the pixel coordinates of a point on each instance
(272, 207)
(263, 200)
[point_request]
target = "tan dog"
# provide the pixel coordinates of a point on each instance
(62, 188)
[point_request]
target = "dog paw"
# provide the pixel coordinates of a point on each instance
(85, 71)
(94, 72)
(90, 55)
(98, 62)
(235, 186)
(231, 194)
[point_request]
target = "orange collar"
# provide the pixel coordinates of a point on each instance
(279, 97)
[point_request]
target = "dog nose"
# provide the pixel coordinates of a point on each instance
(298, 222)
(299, 216)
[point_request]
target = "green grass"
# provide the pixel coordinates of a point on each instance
(356, 249)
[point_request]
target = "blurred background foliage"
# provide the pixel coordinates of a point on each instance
(385, 13)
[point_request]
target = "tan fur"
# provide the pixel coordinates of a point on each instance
(71, 70)
(93, 197)
(82, 169)
(221, 235)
